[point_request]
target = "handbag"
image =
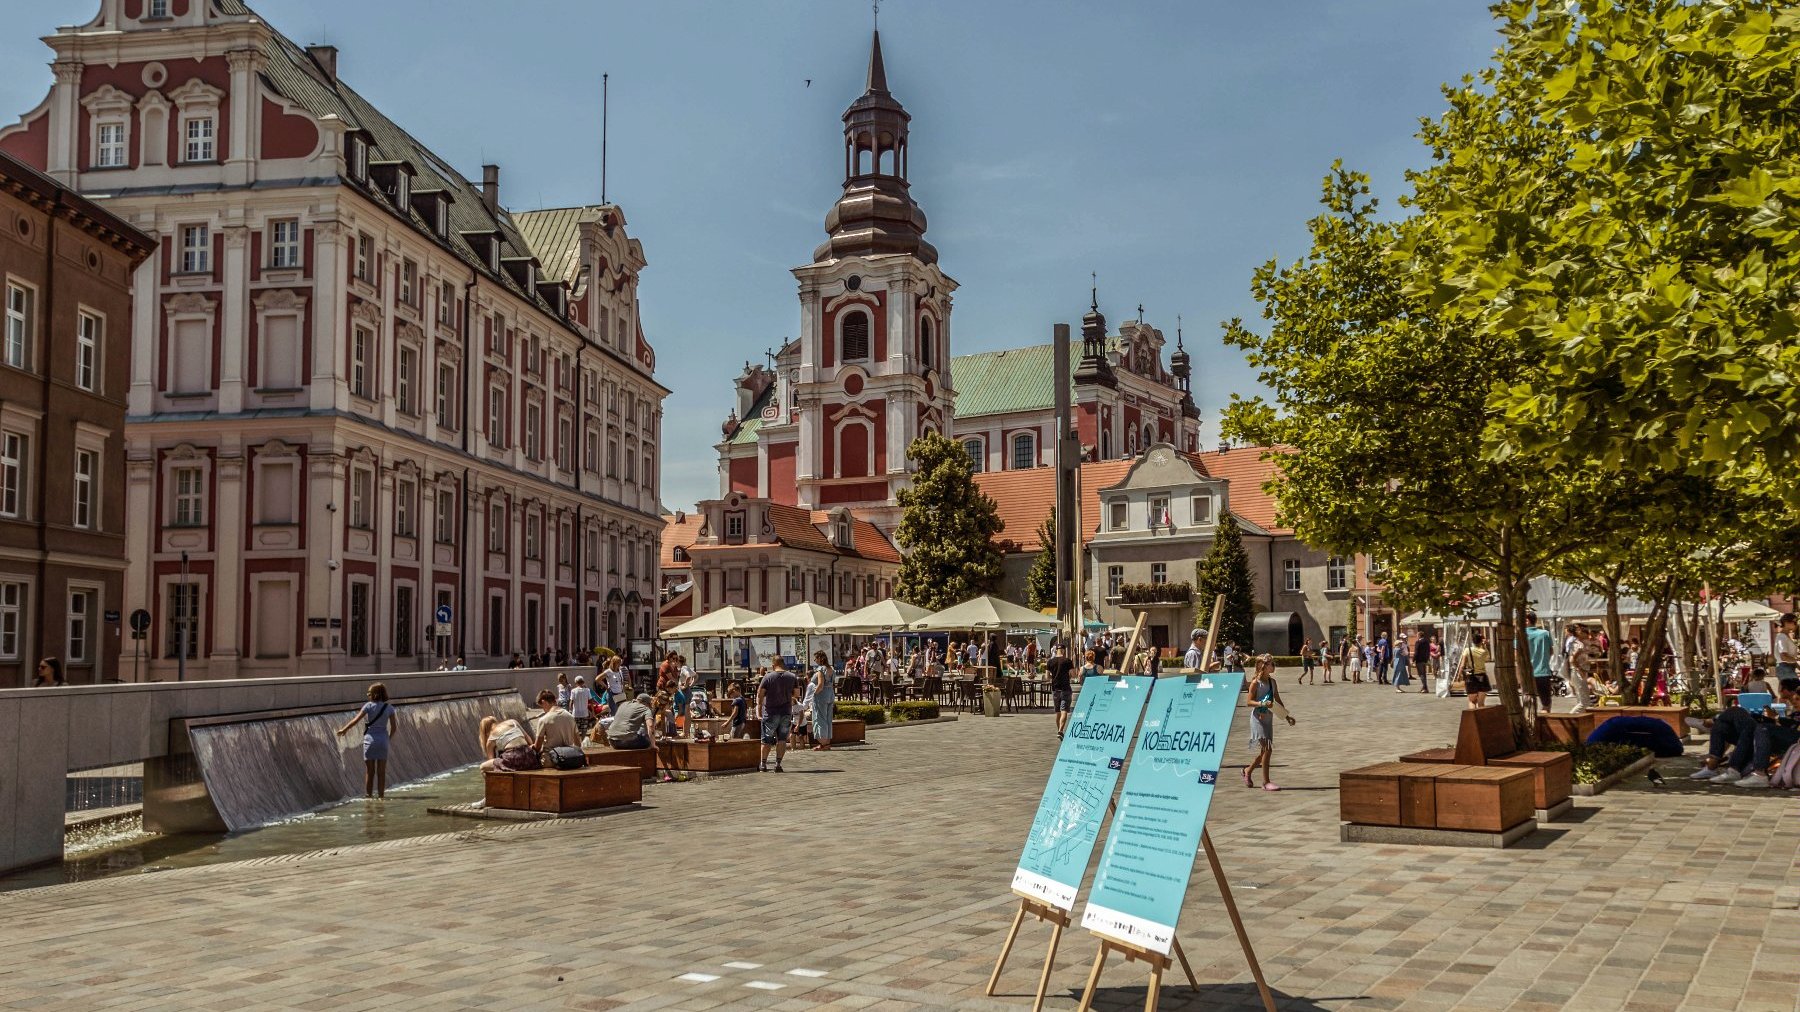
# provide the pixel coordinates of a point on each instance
(565, 757)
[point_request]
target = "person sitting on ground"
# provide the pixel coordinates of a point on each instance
(557, 727)
(1762, 737)
(507, 745)
(633, 724)
(1733, 728)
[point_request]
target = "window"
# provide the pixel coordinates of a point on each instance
(190, 498)
(158, 9)
(1115, 578)
(446, 396)
(590, 453)
(531, 536)
(565, 445)
(446, 302)
(196, 249)
(644, 471)
(284, 243)
(446, 517)
(87, 350)
(1118, 517)
(925, 342)
(856, 337)
(199, 134)
(184, 625)
(1201, 508)
(109, 146)
(591, 550)
(612, 553)
(406, 380)
(1290, 575)
(631, 461)
(533, 422)
(1024, 451)
(496, 526)
(612, 458)
(81, 612)
(359, 158)
(496, 430)
(359, 619)
(12, 474)
(365, 256)
(1159, 572)
(87, 466)
(409, 282)
(565, 543)
(1159, 511)
(497, 333)
(12, 619)
(977, 455)
(404, 491)
(361, 340)
(403, 621)
(18, 326)
(734, 528)
(1337, 573)
(362, 498)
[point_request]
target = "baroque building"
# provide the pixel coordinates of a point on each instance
(361, 389)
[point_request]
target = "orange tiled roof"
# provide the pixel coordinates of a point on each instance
(1247, 471)
(866, 539)
(678, 534)
(804, 529)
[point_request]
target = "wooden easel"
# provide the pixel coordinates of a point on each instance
(1058, 919)
(1159, 962)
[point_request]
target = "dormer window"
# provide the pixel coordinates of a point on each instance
(734, 527)
(1117, 517)
(198, 120)
(841, 533)
(359, 158)
(402, 189)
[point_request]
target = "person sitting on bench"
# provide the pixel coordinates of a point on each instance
(557, 727)
(507, 745)
(632, 726)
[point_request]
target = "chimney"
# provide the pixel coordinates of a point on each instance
(326, 58)
(490, 187)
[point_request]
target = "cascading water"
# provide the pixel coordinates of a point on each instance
(263, 771)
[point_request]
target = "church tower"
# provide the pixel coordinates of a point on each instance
(871, 372)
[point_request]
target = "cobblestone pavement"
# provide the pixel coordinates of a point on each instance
(876, 878)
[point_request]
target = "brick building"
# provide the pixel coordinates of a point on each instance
(360, 388)
(65, 276)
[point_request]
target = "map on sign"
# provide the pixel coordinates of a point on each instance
(1080, 785)
(1149, 852)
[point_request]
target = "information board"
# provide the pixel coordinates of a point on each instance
(1080, 786)
(1150, 848)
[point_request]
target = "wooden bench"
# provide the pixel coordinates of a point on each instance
(1391, 794)
(1486, 799)
(714, 756)
(1484, 738)
(564, 791)
(1567, 727)
(641, 759)
(848, 732)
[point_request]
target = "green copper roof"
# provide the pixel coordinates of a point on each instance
(1017, 379)
(747, 429)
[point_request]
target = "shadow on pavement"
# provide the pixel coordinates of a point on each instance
(1178, 996)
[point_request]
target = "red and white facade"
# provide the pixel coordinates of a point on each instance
(357, 393)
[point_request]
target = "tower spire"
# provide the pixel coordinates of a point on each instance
(877, 83)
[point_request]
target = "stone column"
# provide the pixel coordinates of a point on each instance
(234, 325)
(245, 103)
(381, 625)
(140, 502)
(145, 333)
(475, 622)
(65, 122)
(329, 388)
(324, 535)
(226, 620)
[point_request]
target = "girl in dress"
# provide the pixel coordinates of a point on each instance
(1264, 696)
(377, 718)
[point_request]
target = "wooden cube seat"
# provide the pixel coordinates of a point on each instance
(1552, 775)
(641, 759)
(847, 732)
(564, 791)
(1488, 799)
(1431, 755)
(1568, 727)
(713, 756)
(1392, 794)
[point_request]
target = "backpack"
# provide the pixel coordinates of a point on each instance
(565, 757)
(1788, 775)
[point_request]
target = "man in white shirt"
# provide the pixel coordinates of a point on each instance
(1787, 655)
(578, 705)
(615, 683)
(1196, 655)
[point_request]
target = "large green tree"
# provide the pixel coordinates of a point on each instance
(1226, 570)
(1647, 250)
(1040, 583)
(947, 528)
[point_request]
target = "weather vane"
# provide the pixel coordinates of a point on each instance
(876, 4)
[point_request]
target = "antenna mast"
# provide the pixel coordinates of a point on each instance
(603, 103)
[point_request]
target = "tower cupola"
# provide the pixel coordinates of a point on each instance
(876, 215)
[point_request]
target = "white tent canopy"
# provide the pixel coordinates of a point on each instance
(880, 617)
(987, 612)
(802, 619)
(724, 622)
(1749, 611)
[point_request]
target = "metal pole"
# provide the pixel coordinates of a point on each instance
(184, 617)
(604, 88)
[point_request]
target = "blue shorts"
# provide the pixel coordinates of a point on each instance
(1062, 700)
(775, 729)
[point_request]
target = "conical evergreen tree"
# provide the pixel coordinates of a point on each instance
(1226, 570)
(947, 528)
(1040, 583)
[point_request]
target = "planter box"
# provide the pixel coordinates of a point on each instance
(847, 732)
(641, 759)
(1568, 727)
(1431, 755)
(708, 756)
(564, 791)
(1391, 794)
(1589, 790)
(1552, 775)
(1488, 799)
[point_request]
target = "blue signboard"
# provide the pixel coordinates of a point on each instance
(1149, 853)
(1081, 784)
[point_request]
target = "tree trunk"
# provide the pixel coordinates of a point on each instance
(1643, 685)
(1615, 638)
(1506, 649)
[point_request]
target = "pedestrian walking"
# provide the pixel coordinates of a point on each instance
(377, 718)
(1308, 658)
(1264, 696)
(1474, 671)
(824, 697)
(1402, 663)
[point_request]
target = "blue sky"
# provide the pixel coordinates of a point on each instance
(1171, 147)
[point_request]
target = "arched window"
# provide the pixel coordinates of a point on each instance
(925, 342)
(977, 452)
(1105, 444)
(856, 337)
(1130, 442)
(1024, 451)
(1149, 435)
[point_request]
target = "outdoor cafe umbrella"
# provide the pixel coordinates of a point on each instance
(725, 622)
(882, 616)
(985, 612)
(797, 620)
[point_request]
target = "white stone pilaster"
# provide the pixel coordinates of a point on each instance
(235, 319)
(227, 619)
(65, 122)
(244, 104)
(329, 388)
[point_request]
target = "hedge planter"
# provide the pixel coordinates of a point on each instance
(1600, 786)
